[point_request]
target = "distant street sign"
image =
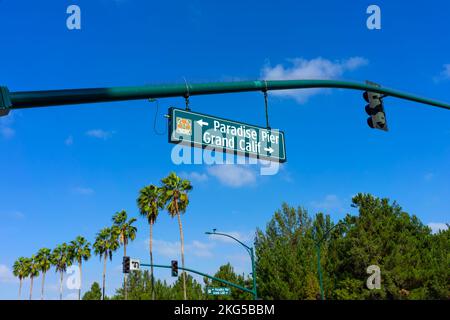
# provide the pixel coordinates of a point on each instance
(135, 264)
(204, 131)
(218, 291)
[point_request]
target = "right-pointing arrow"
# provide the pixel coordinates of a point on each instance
(269, 150)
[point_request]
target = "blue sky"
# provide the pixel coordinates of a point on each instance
(66, 170)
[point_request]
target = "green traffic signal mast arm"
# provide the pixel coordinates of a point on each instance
(31, 99)
(202, 274)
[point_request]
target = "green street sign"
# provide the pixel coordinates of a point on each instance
(218, 291)
(209, 132)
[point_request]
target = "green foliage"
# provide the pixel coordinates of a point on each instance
(413, 261)
(94, 293)
(139, 288)
(80, 249)
(34, 267)
(106, 243)
(43, 258)
(174, 196)
(174, 193)
(124, 227)
(286, 256)
(149, 202)
(61, 257)
(226, 272)
(21, 268)
(194, 290)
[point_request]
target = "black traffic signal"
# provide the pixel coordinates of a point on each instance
(174, 268)
(126, 264)
(375, 109)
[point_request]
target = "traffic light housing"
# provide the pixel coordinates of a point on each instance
(126, 264)
(174, 268)
(375, 109)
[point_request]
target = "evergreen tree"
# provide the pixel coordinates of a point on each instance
(95, 293)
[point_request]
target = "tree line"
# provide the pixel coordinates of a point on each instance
(414, 261)
(171, 195)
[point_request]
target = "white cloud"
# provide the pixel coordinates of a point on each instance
(6, 275)
(172, 249)
(68, 141)
(6, 130)
(444, 75)
(99, 134)
(318, 68)
(83, 191)
(12, 215)
(436, 226)
(233, 175)
(446, 72)
(194, 176)
(200, 249)
(330, 202)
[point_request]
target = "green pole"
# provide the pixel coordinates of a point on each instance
(252, 256)
(255, 292)
(31, 99)
(202, 274)
(319, 270)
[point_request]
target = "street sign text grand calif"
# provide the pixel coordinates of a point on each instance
(204, 131)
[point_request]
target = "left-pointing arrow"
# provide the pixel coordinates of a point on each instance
(202, 123)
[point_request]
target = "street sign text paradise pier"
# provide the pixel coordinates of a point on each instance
(205, 131)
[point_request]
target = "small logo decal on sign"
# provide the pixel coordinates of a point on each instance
(184, 126)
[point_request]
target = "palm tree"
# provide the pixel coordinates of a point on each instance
(80, 250)
(149, 202)
(175, 197)
(61, 259)
(33, 267)
(43, 258)
(105, 244)
(20, 270)
(126, 232)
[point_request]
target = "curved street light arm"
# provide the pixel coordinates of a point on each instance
(328, 231)
(230, 236)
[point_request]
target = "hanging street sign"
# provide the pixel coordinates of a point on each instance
(218, 291)
(209, 132)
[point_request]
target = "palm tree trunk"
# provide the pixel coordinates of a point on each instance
(104, 275)
(61, 285)
(125, 275)
(79, 289)
(31, 288)
(43, 283)
(20, 288)
(151, 260)
(182, 251)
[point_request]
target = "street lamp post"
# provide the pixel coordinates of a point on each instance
(250, 251)
(319, 270)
